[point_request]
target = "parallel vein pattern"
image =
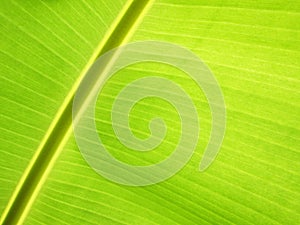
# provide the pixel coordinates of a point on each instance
(252, 47)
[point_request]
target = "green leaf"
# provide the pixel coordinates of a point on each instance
(252, 48)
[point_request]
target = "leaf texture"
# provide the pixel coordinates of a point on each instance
(252, 47)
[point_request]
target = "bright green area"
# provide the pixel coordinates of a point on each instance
(252, 47)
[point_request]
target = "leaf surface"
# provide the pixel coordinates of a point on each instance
(252, 47)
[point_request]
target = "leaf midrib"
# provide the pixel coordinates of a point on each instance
(60, 129)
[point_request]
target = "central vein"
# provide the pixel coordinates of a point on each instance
(61, 128)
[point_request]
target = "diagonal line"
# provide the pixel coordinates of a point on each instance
(60, 129)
